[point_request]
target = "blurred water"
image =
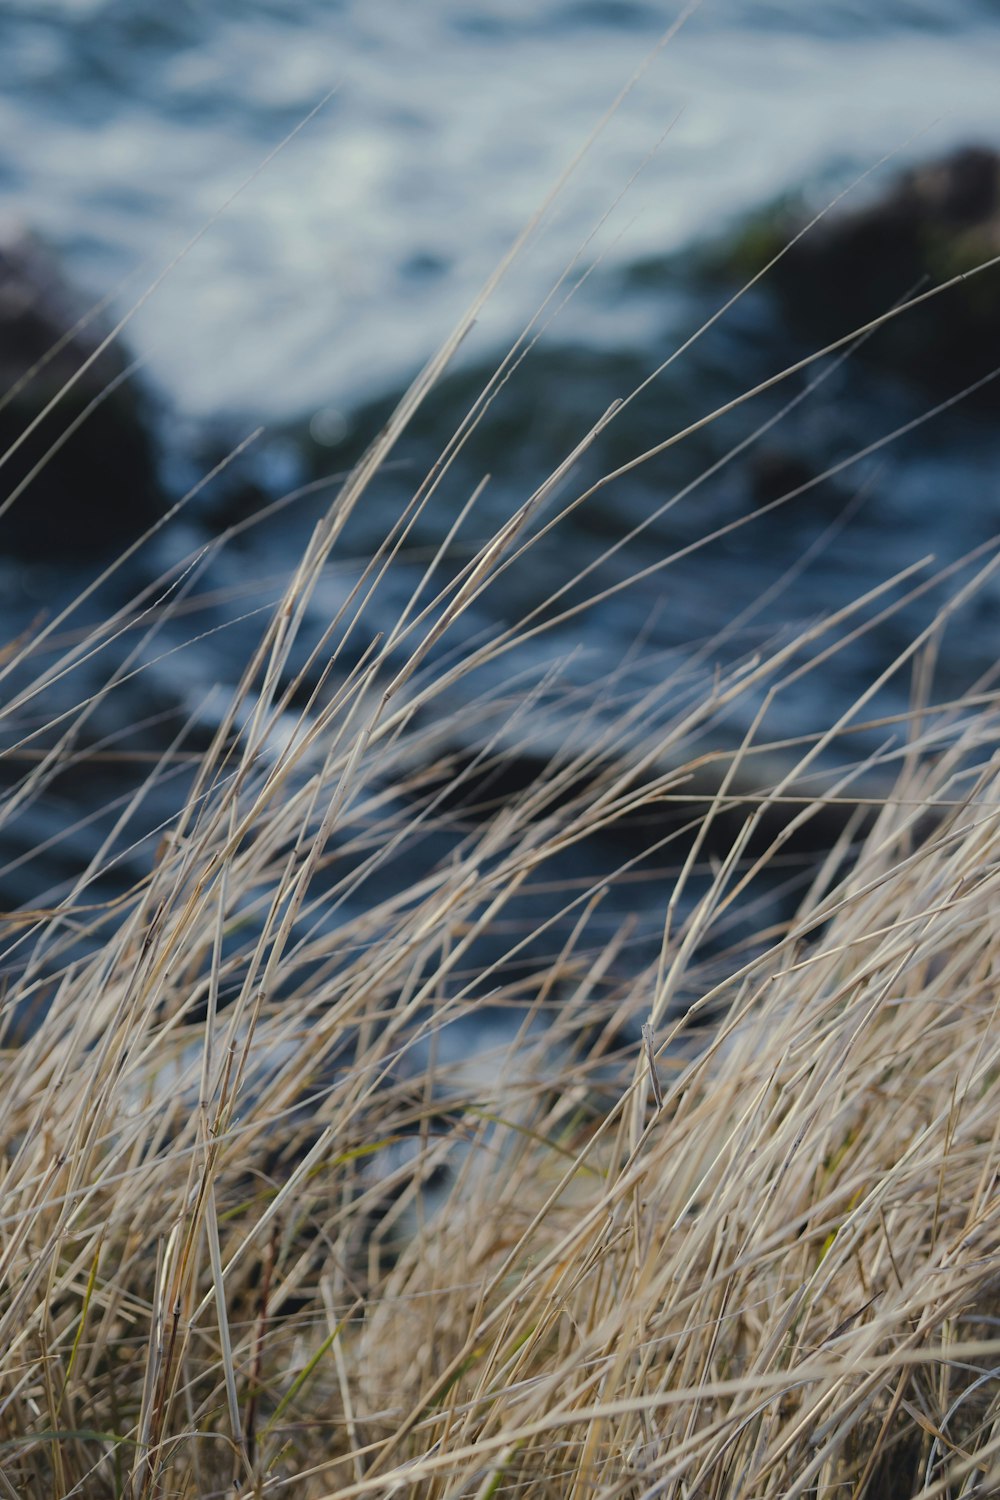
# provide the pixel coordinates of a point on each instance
(123, 129)
(327, 282)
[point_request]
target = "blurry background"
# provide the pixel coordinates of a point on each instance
(124, 127)
(318, 293)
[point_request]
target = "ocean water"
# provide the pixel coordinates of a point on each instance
(123, 130)
(348, 175)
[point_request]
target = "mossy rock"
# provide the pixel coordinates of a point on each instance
(932, 223)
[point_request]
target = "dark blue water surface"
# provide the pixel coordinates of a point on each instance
(319, 290)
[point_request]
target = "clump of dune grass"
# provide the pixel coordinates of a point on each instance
(711, 1227)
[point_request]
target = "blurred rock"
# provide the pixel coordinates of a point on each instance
(98, 487)
(772, 472)
(931, 223)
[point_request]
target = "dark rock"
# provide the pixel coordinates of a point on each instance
(773, 472)
(98, 486)
(933, 222)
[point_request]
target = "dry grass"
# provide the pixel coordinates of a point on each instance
(261, 1234)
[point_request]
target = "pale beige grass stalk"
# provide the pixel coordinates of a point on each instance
(256, 1239)
(779, 1281)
